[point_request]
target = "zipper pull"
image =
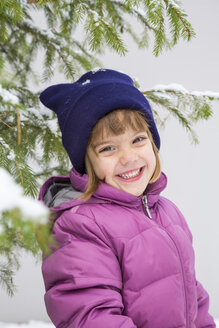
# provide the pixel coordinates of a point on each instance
(145, 203)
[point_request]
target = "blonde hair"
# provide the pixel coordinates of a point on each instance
(116, 122)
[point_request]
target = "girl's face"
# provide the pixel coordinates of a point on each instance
(126, 161)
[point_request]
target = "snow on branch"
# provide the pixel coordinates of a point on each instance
(175, 87)
(8, 96)
(188, 107)
(11, 196)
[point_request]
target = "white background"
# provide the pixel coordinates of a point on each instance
(192, 171)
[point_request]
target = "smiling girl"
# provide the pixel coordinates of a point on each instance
(121, 152)
(124, 255)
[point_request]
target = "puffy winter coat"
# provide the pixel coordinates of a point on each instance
(121, 261)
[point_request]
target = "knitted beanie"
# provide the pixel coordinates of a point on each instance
(81, 104)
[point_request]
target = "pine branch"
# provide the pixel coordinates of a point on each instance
(187, 107)
(178, 24)
(18, 234)
(104, 22)
(6, 278)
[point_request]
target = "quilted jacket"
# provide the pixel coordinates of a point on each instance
(120, 261)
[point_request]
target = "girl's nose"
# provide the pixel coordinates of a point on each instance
(127, 156)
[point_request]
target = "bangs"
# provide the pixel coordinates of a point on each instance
(116, 123)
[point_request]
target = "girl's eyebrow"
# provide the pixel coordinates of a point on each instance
(109, 141)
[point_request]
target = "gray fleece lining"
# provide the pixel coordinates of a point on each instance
(59, 193)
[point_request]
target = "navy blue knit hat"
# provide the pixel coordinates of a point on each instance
(81, 104)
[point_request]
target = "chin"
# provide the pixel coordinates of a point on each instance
(136, 193)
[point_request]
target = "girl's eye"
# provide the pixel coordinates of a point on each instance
(138, 139)
(108, 148)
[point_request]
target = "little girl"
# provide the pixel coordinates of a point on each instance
(123, 256)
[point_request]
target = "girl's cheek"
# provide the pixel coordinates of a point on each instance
(99, 169)
(101, 175)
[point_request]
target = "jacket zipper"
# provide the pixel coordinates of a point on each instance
(145, 203)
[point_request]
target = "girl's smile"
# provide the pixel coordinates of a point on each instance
(126, 161)
(132, 175)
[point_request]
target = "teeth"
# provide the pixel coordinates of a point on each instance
(130, 175)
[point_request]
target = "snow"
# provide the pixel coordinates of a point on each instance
(174, 4)
(41, 324)
(11, 156)
(172, 86)
(11, 196)
(136, 79)
(39, 114)
(48, 34)
(179, 88)
(53, 126)
(163, 95)
(96, 69)
(86, 82)
(65, 13)
(23, 4)
(8, 96)
(31, 324)
(154, 4)
(5, 145)
(95, 14)
(206, 93)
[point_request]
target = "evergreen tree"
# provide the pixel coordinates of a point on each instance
(22, 219)
(29, 134)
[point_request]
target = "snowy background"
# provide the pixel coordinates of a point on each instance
(192, 171)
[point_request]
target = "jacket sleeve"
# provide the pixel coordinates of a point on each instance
(203, 319)
(82, 277)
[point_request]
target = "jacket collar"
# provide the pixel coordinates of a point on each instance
(113, 195)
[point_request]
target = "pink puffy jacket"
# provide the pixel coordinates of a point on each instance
(122, 261)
